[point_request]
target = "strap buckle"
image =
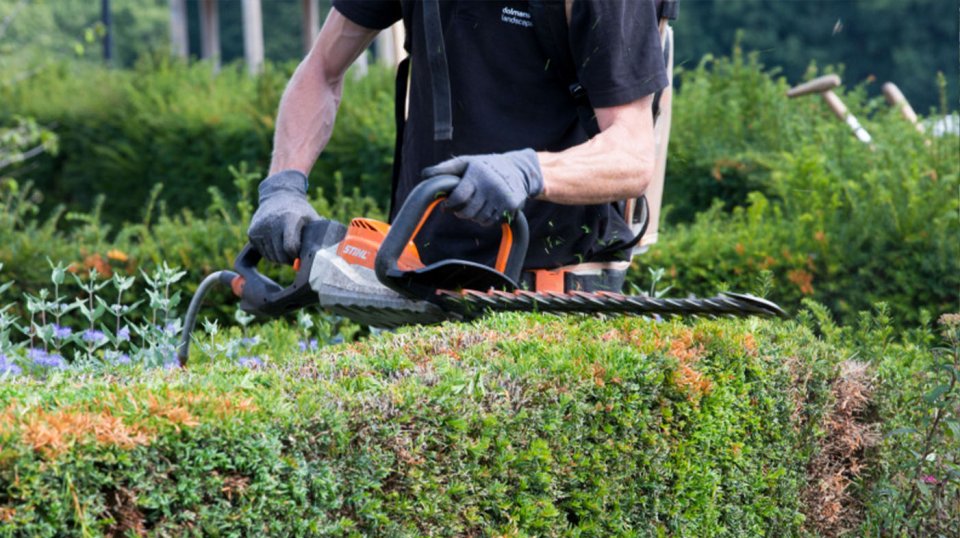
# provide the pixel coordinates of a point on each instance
(577, 91)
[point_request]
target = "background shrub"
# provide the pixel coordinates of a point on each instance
(197, 243)
(797, 198)
(801, 200)
(166, 122)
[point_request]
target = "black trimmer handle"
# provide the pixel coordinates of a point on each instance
(224, 278)
(415, 211)
(262, 296)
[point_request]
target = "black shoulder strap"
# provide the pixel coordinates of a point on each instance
(400, 119)
(550, 24)
(439, 74)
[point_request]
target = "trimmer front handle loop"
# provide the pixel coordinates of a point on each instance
(414, 213)
(262, 296)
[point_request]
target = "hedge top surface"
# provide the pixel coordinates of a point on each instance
(512, 425)
(130, 405)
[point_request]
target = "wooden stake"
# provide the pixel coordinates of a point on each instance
(824, 86)
(896, 99)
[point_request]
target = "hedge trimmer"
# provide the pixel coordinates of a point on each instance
(371, 273)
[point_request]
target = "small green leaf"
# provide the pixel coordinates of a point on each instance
(954, 428)
(902, 431)
(936, 393)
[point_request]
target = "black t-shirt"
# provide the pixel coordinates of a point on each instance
(505, 98)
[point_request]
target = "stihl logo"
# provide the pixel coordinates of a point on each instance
(354, 251)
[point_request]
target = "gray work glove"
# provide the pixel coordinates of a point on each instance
(275, 227)
(492, 187)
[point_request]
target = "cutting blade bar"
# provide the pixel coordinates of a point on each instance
(471, 302)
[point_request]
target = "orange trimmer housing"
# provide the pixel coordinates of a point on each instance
(363, 239)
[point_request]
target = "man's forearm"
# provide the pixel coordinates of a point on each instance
(305, 121)
(599, 171)
(614, 165)
(309, 104)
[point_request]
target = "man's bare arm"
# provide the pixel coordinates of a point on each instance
(614, 165)
(309, 104)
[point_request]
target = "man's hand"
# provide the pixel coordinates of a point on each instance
(275, 227)
(492, 186)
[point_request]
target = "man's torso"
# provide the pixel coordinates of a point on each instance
(505, 96)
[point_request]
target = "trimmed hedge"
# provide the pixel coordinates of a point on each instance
(514, 425)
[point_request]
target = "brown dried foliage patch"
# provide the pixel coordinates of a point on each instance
(115, 419)
(749, 344)
(127, 517)
(686, 377)
(828, 505)
(450, 344)
(642, 341)
(52, 433)
(234, 485)
(803, 280)
(174, 414)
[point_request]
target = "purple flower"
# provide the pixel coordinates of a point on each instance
(43, 359)
(170, 329)
(168, 355)
(250, 362)
(61, 332)
(305, 345)
(248, 342)
(123, 335)
(7, 367)
(930, 479)
(118, 358)
(93, 336)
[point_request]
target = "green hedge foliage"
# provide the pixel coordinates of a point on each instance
(122, 132)
(515, 425)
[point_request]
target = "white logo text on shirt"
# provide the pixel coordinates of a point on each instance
(510, 15)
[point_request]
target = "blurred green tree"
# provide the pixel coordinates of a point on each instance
(37, 32)
(903, 41)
